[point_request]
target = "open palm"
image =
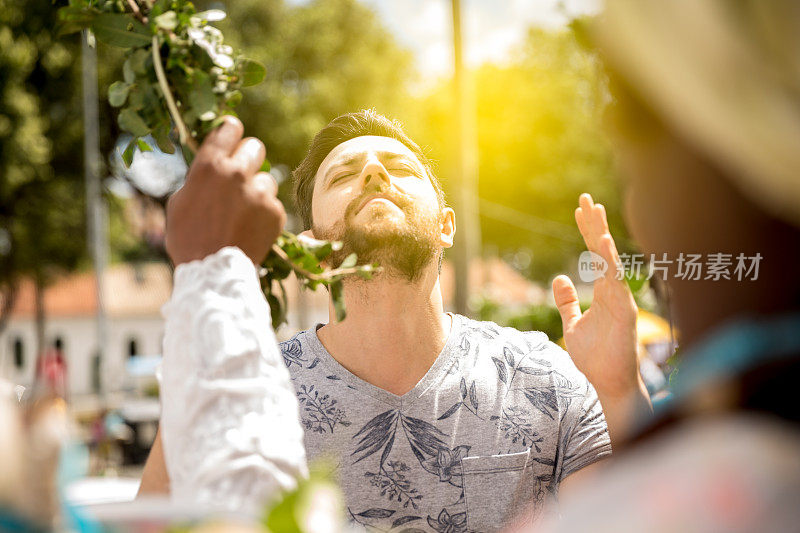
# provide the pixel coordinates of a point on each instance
(602, 340)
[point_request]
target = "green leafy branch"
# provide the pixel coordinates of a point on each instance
(179, 72)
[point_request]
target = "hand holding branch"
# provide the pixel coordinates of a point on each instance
(225, 201)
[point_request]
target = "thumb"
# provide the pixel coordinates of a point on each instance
(566, 298)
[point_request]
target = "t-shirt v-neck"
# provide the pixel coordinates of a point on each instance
(435, 373)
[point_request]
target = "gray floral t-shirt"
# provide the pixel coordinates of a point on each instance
(492, 428)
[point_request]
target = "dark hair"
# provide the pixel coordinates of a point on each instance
(339, 130)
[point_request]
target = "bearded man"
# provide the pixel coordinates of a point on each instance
(435, 420)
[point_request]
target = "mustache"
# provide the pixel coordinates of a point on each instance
(403, 201)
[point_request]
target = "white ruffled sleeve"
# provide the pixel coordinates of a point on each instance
(229, 417)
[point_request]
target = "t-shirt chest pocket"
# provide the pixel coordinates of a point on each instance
(500, 488)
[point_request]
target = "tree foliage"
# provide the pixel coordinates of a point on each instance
(42, 222)
(540, 144)
(179, 72)
(323, 59)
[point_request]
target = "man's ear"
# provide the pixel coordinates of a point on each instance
(448, 226)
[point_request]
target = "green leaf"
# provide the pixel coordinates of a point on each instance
(130, 121)
(143, 146)
(313, 245)
(127, 155)
(349, 261)
(188, 155)
(251, 72)
(160, 6)
(233, 99)
(265, 166)
(139, 61)
(167, 21)
(66, 28)
(283, 516)
(127, 72)
(73, 19)
(217, 122)
(276, 310)
(338, 300)
(309, 262)
(151, 102)
(136, 98)
(121, 30)
(290, 511)
(365, 271)
(118, 93)
(202, 98)
(279, 268)
(161, 135)
(77, 14)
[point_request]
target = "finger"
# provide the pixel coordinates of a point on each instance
(599, 219)
(586, 202)
(595, 226)
(264, 181)
(249, 155)
(566, 298)
(584, 225)
(608, 250)
(584, 217)
(224, 139)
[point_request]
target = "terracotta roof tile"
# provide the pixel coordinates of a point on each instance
(129, 291)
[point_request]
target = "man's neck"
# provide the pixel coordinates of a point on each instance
(393, 332)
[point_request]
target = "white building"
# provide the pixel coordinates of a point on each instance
(133, 297)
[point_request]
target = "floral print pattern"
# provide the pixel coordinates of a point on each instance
(447, 464)
(445, 523)
(497, 393)
(320, 413)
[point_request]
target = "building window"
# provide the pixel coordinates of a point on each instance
(133, 347)
(19, 353)
(95, 373)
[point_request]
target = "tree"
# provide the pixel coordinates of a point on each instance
(42, 196)
(324, 58)
(541, 143)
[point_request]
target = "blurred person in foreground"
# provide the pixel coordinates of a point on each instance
(224, 390)
(433, 420)
(707, 121)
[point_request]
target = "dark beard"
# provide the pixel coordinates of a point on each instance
(402, 250)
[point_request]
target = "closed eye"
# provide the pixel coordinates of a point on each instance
(406, 170)
(342, 176)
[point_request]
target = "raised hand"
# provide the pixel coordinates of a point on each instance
(602, 341)
(225, 201)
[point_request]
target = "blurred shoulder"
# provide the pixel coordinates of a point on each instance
(736, 472)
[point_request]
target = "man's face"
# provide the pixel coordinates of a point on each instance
(373, 194)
